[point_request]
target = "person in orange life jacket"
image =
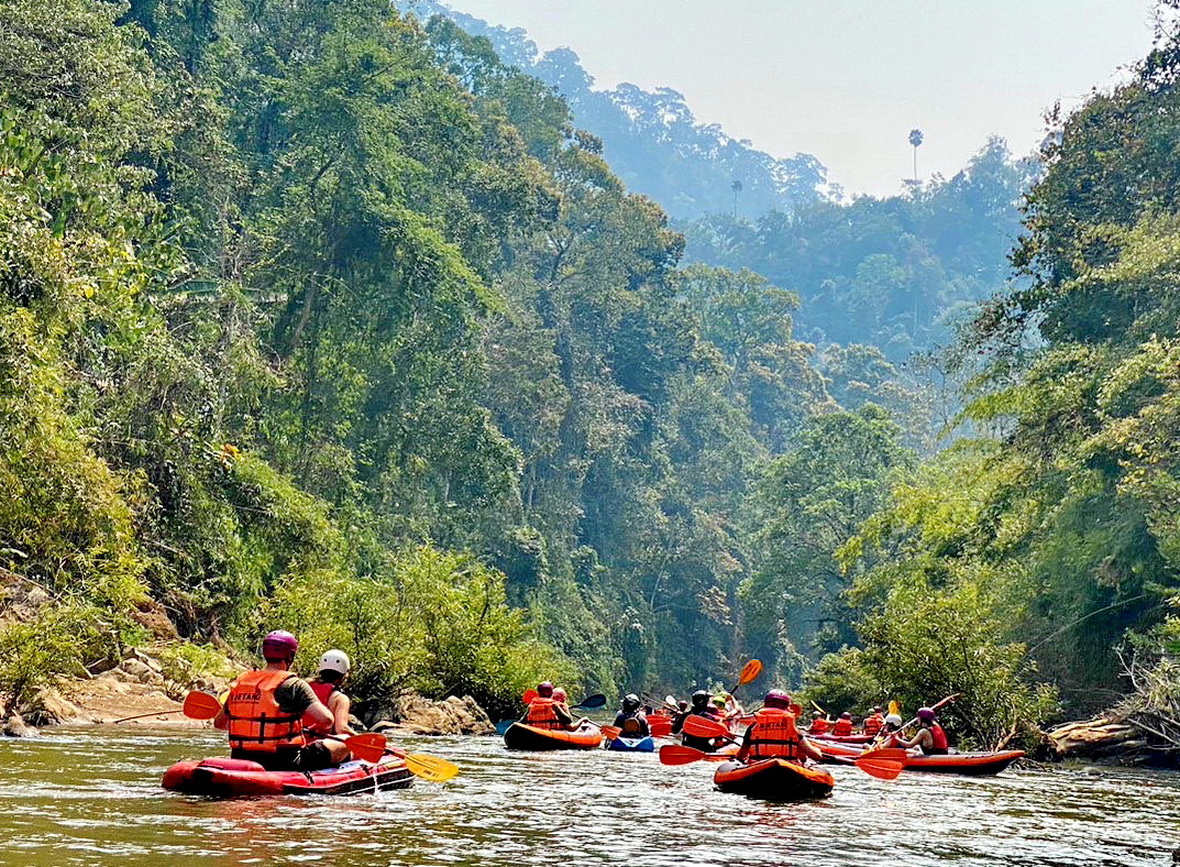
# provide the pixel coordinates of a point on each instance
(843, 726)
(264, 711)
(874, 722)
(631, 719)
(819, 724)
(334, 667)
(544, 712)
(562, 698)
(773, 733)
(930, 736)
(890, 735)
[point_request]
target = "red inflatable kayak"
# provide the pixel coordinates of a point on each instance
(235, 777)
(523, 737)
(969, 764)
(843, 739)
(774, 780)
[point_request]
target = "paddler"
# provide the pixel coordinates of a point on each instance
(773, 734)
(544, 712)
(631, 719)
(700, 707)
(333, 669)
(890, 735)
(843, 726)
(930, 736)
(874, 722)
(819, 724)
(264, 712)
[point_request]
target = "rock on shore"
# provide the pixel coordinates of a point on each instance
(451, 716)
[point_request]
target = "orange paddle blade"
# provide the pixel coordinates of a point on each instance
(889, 754)
(200, 705)
(529, 695)
(882, 769)
(369, 747)
(660, 728)
(750, 672)
(699, 727)
(674, 754)
(611, 732)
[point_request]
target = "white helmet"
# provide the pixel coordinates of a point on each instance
(335, 660)
(893, 719)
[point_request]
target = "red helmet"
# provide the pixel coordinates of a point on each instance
(545, 689)
(279, 646)
(777, 698)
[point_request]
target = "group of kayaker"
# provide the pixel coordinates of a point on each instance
(283, 722)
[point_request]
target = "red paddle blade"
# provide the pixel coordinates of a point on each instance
(611, 732)
(674, 754)
(200, 705)
(880, 768)
(660, 728)
(750, 672)
(529, 695)
(369, 747)
(699, 727)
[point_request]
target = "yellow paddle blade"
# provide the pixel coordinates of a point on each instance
(750, 672)
(430, 768)
(895, 707)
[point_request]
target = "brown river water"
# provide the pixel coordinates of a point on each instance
(91, 797)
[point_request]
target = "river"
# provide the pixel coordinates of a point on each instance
(91, 796)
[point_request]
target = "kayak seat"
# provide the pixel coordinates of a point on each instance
(231, 765)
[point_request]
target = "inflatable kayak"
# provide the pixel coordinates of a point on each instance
(774, 780)
(235, 777)
(524, 737)
(968, 764)
(844, 739)
(632, 745)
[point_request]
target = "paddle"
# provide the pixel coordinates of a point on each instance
(700, 727)
(590, 702)
(430, 768)
(748, 674)
(660, 728)
(200, 705)
(881, 768)
(935, 706)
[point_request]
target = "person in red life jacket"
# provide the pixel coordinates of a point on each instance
(819, 724)
(631, 719)
(334, 667)
(699, 707)
(930, 736)
(545, 713)
(264, 712)
(890, 735)
(874, 722)
(773, 734)
(843, 726)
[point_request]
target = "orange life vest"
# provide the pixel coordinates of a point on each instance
(541, 714)
(842, 728)
(774, 735)
(819, 725)
(323, 691)
(256, 722)
(874, 723)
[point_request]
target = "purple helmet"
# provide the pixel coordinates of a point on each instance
(545, 689)
(926, 714)
(846, 715)
(777, 698)
(279, 646)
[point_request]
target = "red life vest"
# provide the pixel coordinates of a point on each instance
(774, 735)
(323, 691)
(541, 714)
(256, 722)
(938, 736)
(843, 727)
(874, 723)
(819, 725)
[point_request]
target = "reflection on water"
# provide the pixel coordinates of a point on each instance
(92, 797)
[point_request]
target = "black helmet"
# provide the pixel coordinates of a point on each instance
(701, 697)
(630, 701)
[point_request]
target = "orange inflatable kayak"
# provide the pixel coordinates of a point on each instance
(968, 764)
(774, 780)
(524, 737)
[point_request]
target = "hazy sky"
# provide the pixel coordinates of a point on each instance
(846, 80)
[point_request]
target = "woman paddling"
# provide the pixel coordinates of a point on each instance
(334, 667)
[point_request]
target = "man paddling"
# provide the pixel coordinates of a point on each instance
(700, 707)
(264, 712)
(773, 734)
(544, 712)
(631, 719)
